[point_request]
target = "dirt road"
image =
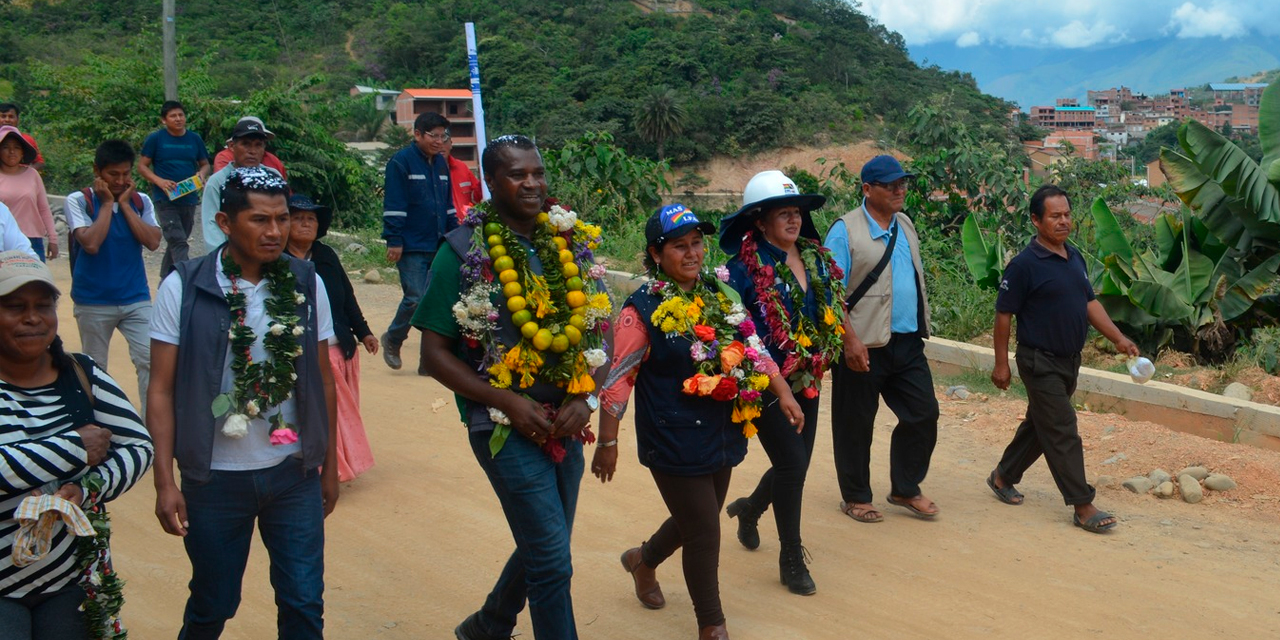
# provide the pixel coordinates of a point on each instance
(417, 541)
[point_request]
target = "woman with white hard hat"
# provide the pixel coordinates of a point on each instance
(795, 293)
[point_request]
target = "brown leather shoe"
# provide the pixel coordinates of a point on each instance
(717, 632)
(645, 578)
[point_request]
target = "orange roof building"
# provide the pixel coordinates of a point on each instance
(453, 104)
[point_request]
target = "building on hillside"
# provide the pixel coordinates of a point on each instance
(454, 104)
(1114, 97)
(1057, 147)
(384, 99)
(1065, 116)
(1249, 93)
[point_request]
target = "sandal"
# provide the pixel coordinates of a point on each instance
(910, 503)
(1094, 523)
(1007, 494)
(865, 513)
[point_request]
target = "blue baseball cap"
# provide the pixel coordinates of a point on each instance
(883, 169)
(671, 222)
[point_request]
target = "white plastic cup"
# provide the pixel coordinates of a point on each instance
(1141, 370)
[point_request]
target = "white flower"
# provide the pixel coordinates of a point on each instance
(232, 333)
(251, 407)
(293, 377)
(736, 319)
(297, 352)
(562, 219)
(298, 298)
(236, 426)
(722, 272)
(595, 357)
(95, 579)
(277, 329)
(754, 342)
(298, 330)
(498, 417)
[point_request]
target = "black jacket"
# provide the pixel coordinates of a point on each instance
(349, 325)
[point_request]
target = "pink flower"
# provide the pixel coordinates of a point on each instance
(752, 354)
(749, 395)
(722, 272)
(284, 436)
(748, 328)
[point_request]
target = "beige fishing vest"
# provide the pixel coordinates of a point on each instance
(872, 315)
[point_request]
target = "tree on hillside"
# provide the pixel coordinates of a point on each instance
(660, 117)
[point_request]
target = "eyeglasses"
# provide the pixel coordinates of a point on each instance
(896, 185)
(438, 137)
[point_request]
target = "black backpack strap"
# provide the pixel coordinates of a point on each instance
(874, 275)
(79, 363)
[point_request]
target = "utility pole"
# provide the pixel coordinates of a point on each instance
(170, 53)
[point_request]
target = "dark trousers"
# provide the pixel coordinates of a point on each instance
(285, 502)
(1050, 426)
(176, 221)
(694, 503)
(900, 373)
(414, 267)
(539, 499)
(44, 616)
(783, 484)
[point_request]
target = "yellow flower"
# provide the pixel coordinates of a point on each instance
(693, 312)
(601, 302)
(749, 430)
(668, 325)
(759, 381)
(804, 341)
(500, 375)
(538, 295)
(829, 316)
(582, 383)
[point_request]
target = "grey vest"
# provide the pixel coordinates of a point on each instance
(203, 325)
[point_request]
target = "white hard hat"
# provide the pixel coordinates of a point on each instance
(767, 190)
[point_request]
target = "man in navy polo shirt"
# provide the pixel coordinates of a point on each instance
(417, 212)
(1047, 288)
(111, 225)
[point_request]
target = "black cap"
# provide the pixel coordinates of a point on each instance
(324, 215)
(251, 126)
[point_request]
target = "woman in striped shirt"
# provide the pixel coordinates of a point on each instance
(51, 437)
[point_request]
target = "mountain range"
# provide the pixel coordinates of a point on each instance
(1031, 76)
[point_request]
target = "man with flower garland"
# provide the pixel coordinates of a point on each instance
(888, 320)
(249, 329)
(529, 368)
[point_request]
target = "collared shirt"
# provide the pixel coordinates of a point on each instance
(254, 450)
(417, 207)
(906, 303)
(11, 236)
(1050, 295)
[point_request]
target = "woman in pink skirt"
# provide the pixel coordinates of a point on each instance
(308, 222)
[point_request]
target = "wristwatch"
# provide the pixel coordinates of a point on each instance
(593, 403)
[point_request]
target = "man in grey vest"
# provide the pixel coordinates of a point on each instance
(249, 330)
(886, 325)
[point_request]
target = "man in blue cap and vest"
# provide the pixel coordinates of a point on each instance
(887, 322)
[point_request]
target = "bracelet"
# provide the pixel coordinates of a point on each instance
(611, 443)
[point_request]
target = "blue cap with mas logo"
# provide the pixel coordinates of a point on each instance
(671, 222)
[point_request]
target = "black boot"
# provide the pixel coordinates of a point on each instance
(793, 572)
(748, 516)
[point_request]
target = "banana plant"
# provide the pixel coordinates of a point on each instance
(985, 260)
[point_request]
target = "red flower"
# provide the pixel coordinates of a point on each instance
(486, 272)
(704, 333)
(726, 390)
(554, 450)
(810, 392)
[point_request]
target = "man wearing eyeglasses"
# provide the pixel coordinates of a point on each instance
(417, 211)
(887, 322)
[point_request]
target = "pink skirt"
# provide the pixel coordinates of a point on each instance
(354, 455)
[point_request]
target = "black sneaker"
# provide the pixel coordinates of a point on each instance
(469, 629)
(390, 352)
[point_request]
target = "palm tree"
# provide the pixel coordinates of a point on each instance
(660, 117)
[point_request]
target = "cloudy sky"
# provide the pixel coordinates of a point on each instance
(1071, 24)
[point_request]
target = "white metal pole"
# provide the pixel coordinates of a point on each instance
(477, 105)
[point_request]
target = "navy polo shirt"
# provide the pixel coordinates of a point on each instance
(1049, 295)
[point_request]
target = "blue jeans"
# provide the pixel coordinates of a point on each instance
(37, 245)
(286, 503)
(539, 498)
(45, 616)
(413, 266)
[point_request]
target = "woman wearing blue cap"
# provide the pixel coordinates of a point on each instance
(793, 288)
(687, 345)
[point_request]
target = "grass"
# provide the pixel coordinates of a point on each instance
(374, 258)
(980, 382)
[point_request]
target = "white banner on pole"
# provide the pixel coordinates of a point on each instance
(477, 105)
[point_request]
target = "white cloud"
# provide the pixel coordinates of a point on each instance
(1191, 21)
(1075, 24)
(1076, 35)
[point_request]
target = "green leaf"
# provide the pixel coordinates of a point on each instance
(1229, 166)
(978, 255)
(221, 405)
(1108, 234)
(1269, 125)
(1244, 292)
(499, 438)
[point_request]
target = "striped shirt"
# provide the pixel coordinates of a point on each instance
(39, 449)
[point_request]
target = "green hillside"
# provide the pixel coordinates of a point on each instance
(745, 75)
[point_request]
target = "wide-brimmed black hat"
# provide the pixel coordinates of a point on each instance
(768, 190)
(324, 215)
